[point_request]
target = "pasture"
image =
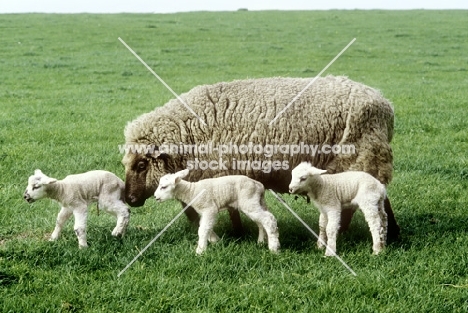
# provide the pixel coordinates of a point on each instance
(68, 87)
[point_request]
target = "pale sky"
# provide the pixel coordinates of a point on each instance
(168, 6)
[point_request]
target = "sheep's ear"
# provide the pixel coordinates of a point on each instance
(316, 171)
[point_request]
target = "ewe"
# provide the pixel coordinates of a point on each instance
(228, 192)
(333, 193)
(75, 193)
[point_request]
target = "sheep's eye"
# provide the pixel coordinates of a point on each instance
(141, 165)
(302, 178)
(163, 187)
(35, 187)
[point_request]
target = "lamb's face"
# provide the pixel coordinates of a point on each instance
(166, 187)
(37, 185)
(298, 182)
(300, 176)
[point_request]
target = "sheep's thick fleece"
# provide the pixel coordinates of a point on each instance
(332, 111)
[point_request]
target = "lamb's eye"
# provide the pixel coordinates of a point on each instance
(141, 165)
(302, 178)
(35, 187)
(163, 187)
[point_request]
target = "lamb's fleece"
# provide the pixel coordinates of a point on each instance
(233, 192)
(331, 193)
(75, 193)
(333, 110)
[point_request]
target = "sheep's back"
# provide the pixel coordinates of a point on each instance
(333, 110)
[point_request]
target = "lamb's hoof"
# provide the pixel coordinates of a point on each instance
(83, 246)
(329, 253)
(200, 251)
(213, 238)
(53, 238)
(117, 233)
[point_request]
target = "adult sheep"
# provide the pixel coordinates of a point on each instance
(333, 111)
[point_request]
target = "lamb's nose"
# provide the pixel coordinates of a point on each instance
(290, 190)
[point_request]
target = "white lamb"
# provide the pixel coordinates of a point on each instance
(331, 193)
(75, 193)
(227, 192)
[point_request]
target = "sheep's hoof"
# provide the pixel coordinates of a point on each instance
(83, 246)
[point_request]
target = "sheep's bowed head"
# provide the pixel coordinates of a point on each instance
(142, 170)
(36, 184)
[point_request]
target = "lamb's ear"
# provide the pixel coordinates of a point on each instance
(48, 180)
(183, 173)
(316, 171)
(38, 172)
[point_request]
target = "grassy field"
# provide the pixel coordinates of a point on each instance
(68, 87)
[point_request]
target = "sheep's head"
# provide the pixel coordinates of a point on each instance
(142, 173)
(167, 183)
(300, 176)
(37, 185)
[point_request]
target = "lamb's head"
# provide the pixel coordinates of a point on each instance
(167, 183)
(301, 175)
(142, 173)
(37, 185)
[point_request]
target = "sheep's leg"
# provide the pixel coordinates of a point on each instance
(333, 226)
(346, 217)
(207, 222)
(62, 217)
(322, 240)
(80, 215)
(393, 228)
(265, 221)
(236, 221)
(376, 226)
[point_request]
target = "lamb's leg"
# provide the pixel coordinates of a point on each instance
(384, 218)
(120, 210)
(376, 226)
(207, 222)
(265, 221)
(62, 217)
(322, 241)
(333, 226)
(80, 215)
(123, 217)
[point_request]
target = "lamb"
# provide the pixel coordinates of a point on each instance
(335, 192)
(75, 193)
(228, 192)
(332, 111)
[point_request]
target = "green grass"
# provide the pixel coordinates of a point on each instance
(68, 87)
